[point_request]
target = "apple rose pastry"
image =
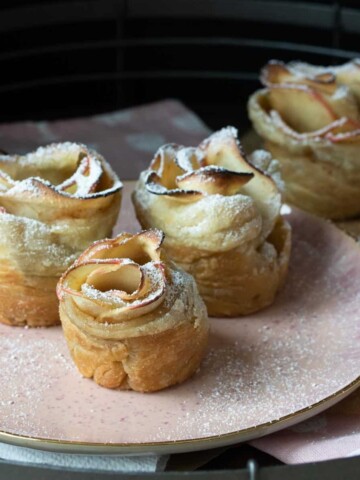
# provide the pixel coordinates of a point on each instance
(132, 320)
(221, 217)
(310, 120)
(54, 202)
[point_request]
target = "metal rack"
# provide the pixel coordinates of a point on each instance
(117, 53)
(332, 470)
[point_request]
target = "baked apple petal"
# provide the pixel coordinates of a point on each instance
(77, 275)
(223, 149)
(214, 180)
(94, 251)
(165, 165)
(154, 184)
(136, 309)
(277, 73)
(86, 178)
(189, 158)
(344, 137)
(142, 247)
(123, 279)
(303, 109)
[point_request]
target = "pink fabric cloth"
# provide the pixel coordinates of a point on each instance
(332, 434)
(128, 139)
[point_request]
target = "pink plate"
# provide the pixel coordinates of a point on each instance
(262, 373)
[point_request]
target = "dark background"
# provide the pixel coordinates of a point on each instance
(70, 58)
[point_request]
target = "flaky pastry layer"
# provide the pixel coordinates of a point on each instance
(134, 322)
(309, 118)
(221, 217)
(54, 202)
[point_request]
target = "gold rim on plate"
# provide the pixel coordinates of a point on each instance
(186, 445)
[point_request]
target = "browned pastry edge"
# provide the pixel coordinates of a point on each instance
(335, 196)
(27, 300)
(235, 282)
(31, 300)
(146, 363)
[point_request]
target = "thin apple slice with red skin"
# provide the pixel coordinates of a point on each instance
(344, 137)
(189, 159)
(301, 108)
(323, 82)
(223, 149)
(277, 73)
(214, 180)
(141, 247)
(85, 179)
(146, 302)
(106, 286)
(340, 125)
(77, 274)
(110, 291)
(122, 277)
(124, 280)
(165, 166)
(155, 185)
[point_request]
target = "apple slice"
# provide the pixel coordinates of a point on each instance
(85, 179)
(223, 149)
(344, 137)
(166, 167)
(142, 247)
(277, 73)
(123, 280)
(302, 109)
(214, 180)
(189, 158)
(155, 185)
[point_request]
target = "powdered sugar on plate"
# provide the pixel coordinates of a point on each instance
(258, 369)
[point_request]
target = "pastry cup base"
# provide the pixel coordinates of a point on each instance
(319, 187)
(238, 282)
(146, 363)
(28, 300)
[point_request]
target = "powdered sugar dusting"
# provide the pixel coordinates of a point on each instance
(82, 184)
(24, 353)
(257, 369)
(29, 185)
(35, 246)
(189, 158)
(93, 294)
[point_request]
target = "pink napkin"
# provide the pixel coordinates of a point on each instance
(332, 434)
(128, 139)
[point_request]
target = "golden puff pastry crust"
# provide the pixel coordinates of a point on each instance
(221, 217)
(54, 203)
(132, 319)
(309, 118)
